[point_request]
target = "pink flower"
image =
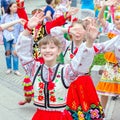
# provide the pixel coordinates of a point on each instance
(94, 113)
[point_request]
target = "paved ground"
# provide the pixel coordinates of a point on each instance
(10, 85)
(11, 89)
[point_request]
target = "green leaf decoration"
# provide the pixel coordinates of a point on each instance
(59, 98)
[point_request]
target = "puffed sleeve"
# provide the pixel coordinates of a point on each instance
(24, 48)
(24, 51)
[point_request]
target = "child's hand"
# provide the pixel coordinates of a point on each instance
(72, 11)
(36, 19)
(89, 21)
(92, 33)
(22, 21)
(110, 2)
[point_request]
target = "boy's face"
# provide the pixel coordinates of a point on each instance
(49, 52)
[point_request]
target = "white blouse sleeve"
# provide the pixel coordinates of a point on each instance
(109, 45)
(24, 48)
(79, 65)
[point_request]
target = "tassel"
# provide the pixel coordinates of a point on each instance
(28, 88)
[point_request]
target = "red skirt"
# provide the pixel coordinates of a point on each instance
(82, 100)
(51, 115)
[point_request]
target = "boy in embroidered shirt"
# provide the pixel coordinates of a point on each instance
(51, 80)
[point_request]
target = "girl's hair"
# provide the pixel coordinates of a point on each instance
(8, 9)
(50, 39)
(79, 21)
(49, 1)
(35, 10)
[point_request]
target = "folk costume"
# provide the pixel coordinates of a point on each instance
(39, 32)
(42, 30)
(21, 10)
(111, 30)
(82, 99)
(50, 84)
(105, 86)
(110, 81)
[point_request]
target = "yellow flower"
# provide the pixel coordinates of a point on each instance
(80, 115)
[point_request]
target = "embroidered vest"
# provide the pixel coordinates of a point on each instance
(55, 97)
(68, 53)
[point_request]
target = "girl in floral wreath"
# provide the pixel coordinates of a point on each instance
(109, 86)
(51, 80)
(82, 100)
(69, 50)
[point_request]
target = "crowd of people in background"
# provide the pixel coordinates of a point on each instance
(56, 50)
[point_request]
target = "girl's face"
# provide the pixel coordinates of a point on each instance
(117, 23)
(50, 52)
(13, 8)
(81, 33)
